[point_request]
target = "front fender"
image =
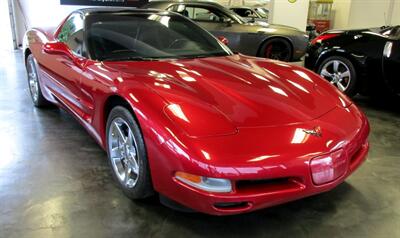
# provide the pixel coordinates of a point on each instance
(359, 61)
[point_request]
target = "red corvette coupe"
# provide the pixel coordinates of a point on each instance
(181, 115)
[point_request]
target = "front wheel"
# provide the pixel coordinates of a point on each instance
(341, 73)
(127, 154)
(34, 84)
(277, 49)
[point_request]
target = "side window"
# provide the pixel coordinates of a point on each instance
(198, 13)
(251, 13)
(243, 12)
(72, 33)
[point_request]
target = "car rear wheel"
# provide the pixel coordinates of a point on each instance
(34, 84)
(341, 73)
(277, 49)
(127, 154)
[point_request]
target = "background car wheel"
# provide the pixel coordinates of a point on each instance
(277, 49)
(127, 154)
(341, 73)
(34, 84)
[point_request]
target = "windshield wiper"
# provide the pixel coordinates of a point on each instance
(130, 58)
(203, 55)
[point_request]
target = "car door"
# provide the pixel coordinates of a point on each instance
(66, 69)
(213, 20)
(391, 64)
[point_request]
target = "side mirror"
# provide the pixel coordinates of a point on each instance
(228, 21)
(56, 48)
(223, 40)
(60, 48)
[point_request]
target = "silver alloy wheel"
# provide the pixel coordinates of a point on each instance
(123, 152)
(33, 79)
(337, 73)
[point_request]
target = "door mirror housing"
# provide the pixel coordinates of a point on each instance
(56, 48)
(223, 40)
(228, 21)
(60, 48)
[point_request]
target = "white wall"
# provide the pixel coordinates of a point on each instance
(365, 13)
(291, 14)
(396, 13)
(341, 11)
(5, 36)
(39, 13)
(369, 13)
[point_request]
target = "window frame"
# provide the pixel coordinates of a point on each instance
(82, 17)
(174, 7)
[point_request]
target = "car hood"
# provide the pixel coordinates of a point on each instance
(259, 26)
(247, 91)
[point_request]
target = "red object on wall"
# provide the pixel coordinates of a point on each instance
(322, 25)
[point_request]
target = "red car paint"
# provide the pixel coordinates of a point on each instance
(236, 117)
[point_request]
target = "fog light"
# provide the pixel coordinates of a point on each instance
(215, 185)
(327, 168)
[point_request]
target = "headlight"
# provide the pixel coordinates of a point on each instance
(327, 168)
(215, 185)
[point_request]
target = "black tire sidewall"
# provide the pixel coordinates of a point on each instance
(143, 187)
(352, 90)
(275, 40)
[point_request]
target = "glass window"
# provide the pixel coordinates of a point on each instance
(72, 33)
(136, 36)
(263, 12)
(244, 12)
(199, 13)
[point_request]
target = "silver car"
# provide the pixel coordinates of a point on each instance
(258, 39)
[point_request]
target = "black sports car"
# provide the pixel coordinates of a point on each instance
(358, 61)
(263, 40)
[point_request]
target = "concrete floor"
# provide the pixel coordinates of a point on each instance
(55, 182)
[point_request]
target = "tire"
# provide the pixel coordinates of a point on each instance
(34, 83)
(124, 135)
(277, 49)
(340, 72)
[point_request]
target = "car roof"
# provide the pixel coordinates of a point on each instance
(209, 3)
(94, 10)
(240, 7)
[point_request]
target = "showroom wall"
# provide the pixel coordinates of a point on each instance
(396, 13)
(369, 13)
(6, 34)
(365, 13)
(348, 13)
(341, 12)
(291, 14)
(38, 13)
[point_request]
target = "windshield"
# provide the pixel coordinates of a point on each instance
(393, 31)
(262, 12)
(148, 36)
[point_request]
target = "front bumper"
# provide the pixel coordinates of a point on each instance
(257, 196)
(275, 181)
(300, 44)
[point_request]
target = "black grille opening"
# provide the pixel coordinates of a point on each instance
(231, 205)
(263, 182)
